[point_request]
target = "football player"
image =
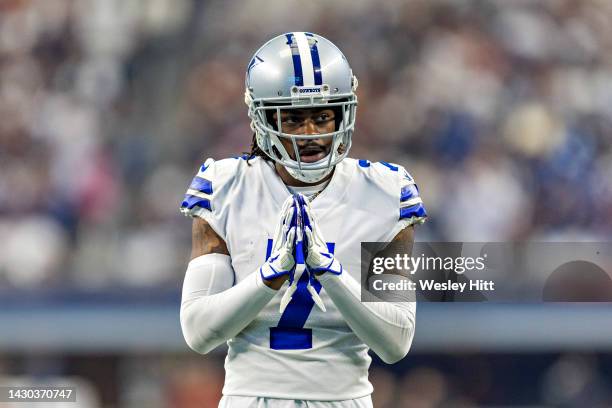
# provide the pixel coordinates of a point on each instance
(275, 264)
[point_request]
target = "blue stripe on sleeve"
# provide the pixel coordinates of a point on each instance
(417, 210)
(202, 185)
(409, 192)
(192, 201)
(389, 165)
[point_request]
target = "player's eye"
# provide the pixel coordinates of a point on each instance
(290, 120)
(324, 117)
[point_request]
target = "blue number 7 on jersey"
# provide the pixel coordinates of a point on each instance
(290, 333)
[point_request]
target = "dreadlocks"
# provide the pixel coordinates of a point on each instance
(256, 151)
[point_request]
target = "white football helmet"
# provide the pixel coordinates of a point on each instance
(300, 70)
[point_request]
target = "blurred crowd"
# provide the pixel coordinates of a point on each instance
(501, 110)
(422, 381)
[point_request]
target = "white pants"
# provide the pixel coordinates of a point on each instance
(232, 401)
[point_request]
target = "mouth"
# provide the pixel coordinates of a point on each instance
(311, 154)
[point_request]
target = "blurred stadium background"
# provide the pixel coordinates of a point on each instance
(500, 109)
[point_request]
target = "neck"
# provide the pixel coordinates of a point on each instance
(293, 182)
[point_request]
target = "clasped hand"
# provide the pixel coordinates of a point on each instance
(297, 232)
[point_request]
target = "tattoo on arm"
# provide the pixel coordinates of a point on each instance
(205, 240)
(405, 238)
(400, 244)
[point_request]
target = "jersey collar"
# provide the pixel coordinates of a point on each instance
(330, 196)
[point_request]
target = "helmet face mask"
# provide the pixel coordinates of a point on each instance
(278, 80)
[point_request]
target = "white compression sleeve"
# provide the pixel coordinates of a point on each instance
(212, 310)
(385, 327)
(207, 275)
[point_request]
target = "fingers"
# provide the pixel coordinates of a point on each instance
(309, 238)
(313, 223)
(287, 296)
(290, 239)
(290, 212)
(314, 238)
(286, 226)
(305, 216)
(316, 298)
(284, 223)
(288, 202)
(309, 220)
(309, 212)
(299, 223)
(296, 211)
(278, 238)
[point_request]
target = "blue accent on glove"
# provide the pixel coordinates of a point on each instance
(276, 273)
(327, 269)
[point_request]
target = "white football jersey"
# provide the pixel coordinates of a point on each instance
(304, 353)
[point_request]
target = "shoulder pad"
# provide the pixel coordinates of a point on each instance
(395, 179)
(385, 175)
(207, 187)
(199, 193)
(411, 204)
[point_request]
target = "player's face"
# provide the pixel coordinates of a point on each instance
(307, 122)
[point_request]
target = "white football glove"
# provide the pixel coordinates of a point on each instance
(295, 278)
(318, 258)
(281, 261)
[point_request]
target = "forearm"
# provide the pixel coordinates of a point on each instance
(386, 327)
(211, 317)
